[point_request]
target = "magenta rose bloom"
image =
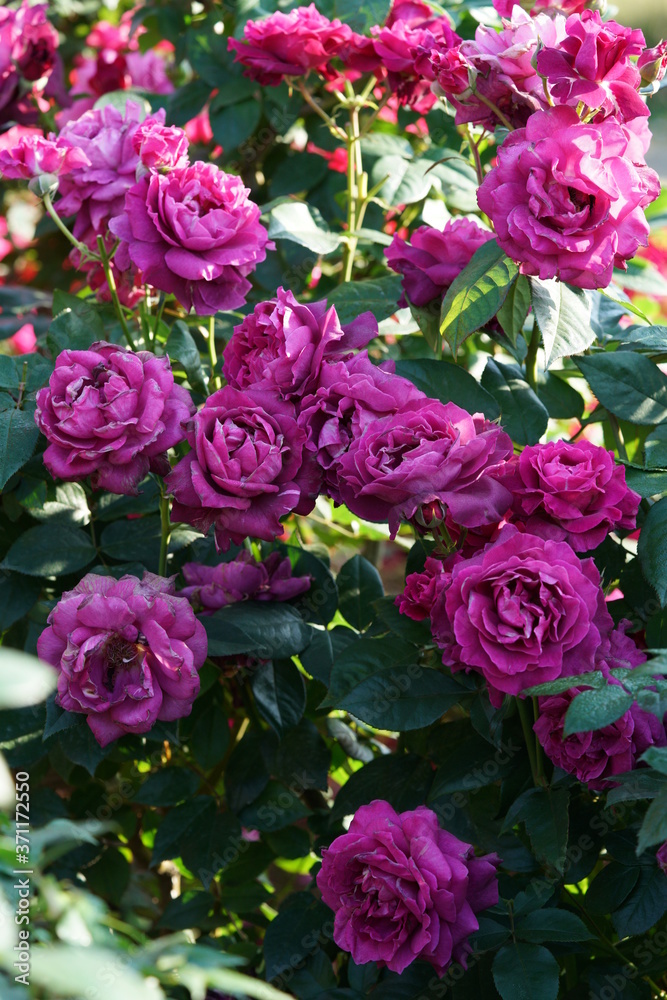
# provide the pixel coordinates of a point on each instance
(433, 258)
(592, 65)
(245, 470)
(289, 44)
(242, 579)
(398, 45)
(427, 451)
(351, 394)
(192, 232)
(33, 156)
(570, 492)
(128, 652)
(111, 414)
(596, 756)
(402, 889)
(661, 857)
(521, 612)
(503, 69)
(28, 54)
(282, 345)
(567, 199)
(161, 147)
(422, 590)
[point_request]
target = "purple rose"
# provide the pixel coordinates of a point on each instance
(398, 45)
(502, 66)
(567, 198)
(289, 44)
(661, 857)
(128, 652)
(192, 232)
(34, 156)
(433, 258)
(28, 52)
(351, 394)
(521, 612)
(652, 63)
(570, 492)
(242, 579)
(427, 451)
(160, 147)
(111, 414)
(282, 345)
(402, 889)
(245, 470)
(423, 589)
(592, 66)
(596, 756)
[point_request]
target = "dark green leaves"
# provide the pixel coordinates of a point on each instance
(268, 631)
(295, 221)
(205, 839)
(279, 693)
(41, 551)
(652, 549)
(359, 584)
(381, 682)
(18, 437)
(628, 385)
(182, 348)
(476, 294)
(512, 314)
(526, 972)
(378, 295)
(545, 813)
(563, 316)
(596, 709)
(524, 416)
(449, 383)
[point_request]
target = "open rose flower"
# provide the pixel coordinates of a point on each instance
(111, 414)
(351, 395)
(192, 232)
(592, 65)
(570, 492)
(128, 653)
(289, 44)
(242, 579)
(160, 147)
(283, 344)
(402, 889)
(427, 451)
(398, 45)
(245, 470)
(596, 756)
(521, 612)
(567, 198)
(34, 156)
(28, 53)
(434, 257)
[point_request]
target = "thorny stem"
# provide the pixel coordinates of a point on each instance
(357, 182)
(617, 434)
(214, 381)
(528, 736)
(111, 282)
(496, 110)
(335, 129)
(85, 251)
(531, 357)
(165, 526)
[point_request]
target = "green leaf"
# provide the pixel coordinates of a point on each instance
(303, 757)
(545, 813)
(232, 125)
(77, 324)
(524, 416)
(628, 385)
(18, 436)
(610, 887)
(476, 294)
(654, 828)
(402, 779)
(24, 680)
(62, 503)
(209, 731)
(378, 295)
(594, 678)
(562, 401)
(269, 631)
(449, 383)
(406, 182)
(280, 693)
(17, 596)
(167, 787)
(133, 541)
(294, 221)
(647, 484)
(381, 682)
(490, 935)
(645, 905)
(41, 551)
(359, 18)
(189, 910)
(181, 347)
(596, 709)
(187, 101)
(512, 314)
(79, 746)
(526, 972)
(563, 316)
(247, 771)
(655, 448)
(303, 924)
(552, 925)
(652, 549)
(359, 584)
(68, 971)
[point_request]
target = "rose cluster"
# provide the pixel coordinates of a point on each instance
(30, 68)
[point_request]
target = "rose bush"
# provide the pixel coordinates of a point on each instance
(333, 492)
